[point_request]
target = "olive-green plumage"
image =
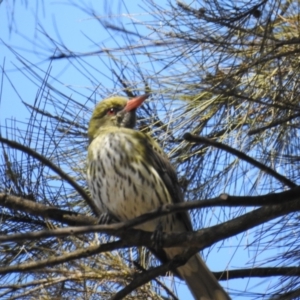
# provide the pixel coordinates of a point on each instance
(129, 175)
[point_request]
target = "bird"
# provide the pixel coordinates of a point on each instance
(128, 174)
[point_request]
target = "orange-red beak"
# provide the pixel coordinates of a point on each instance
(135, 102)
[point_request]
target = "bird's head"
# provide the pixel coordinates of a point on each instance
(116, 111)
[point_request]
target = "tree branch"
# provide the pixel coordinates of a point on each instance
(192, 240)
(164, 286)
(41, 210)
(153, 273)
(52, 261)
(273, 124)
(258, 272)
(294, 294)
(286, 202)
(54, 168)
(202, 140)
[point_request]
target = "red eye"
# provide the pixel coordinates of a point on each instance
(111, 111)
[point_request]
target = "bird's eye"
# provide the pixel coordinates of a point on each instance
(111, 111)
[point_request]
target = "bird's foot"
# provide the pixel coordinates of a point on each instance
(157, 236)
(106, 218)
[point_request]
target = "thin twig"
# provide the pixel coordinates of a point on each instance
(258, 272)
(273, 124)
(56, 260)
(202, 140)
(54, 168)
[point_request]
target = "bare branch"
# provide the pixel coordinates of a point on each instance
(54, 168)
(52, 261)
(41, 210)
(199, 139)
(258, 272)
(153, 273)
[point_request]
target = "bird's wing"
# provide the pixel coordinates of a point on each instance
(167, 173)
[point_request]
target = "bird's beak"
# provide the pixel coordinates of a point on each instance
(135, 102)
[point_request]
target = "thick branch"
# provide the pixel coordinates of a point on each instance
(164, 286)
(153, 273)
(288, 201)
(192, 240)
(201, 239)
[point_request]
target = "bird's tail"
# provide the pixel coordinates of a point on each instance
(201, 282)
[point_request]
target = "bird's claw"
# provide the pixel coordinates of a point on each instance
(157, 236)
(105, 219)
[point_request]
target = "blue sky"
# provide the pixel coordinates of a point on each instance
(24, 31)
